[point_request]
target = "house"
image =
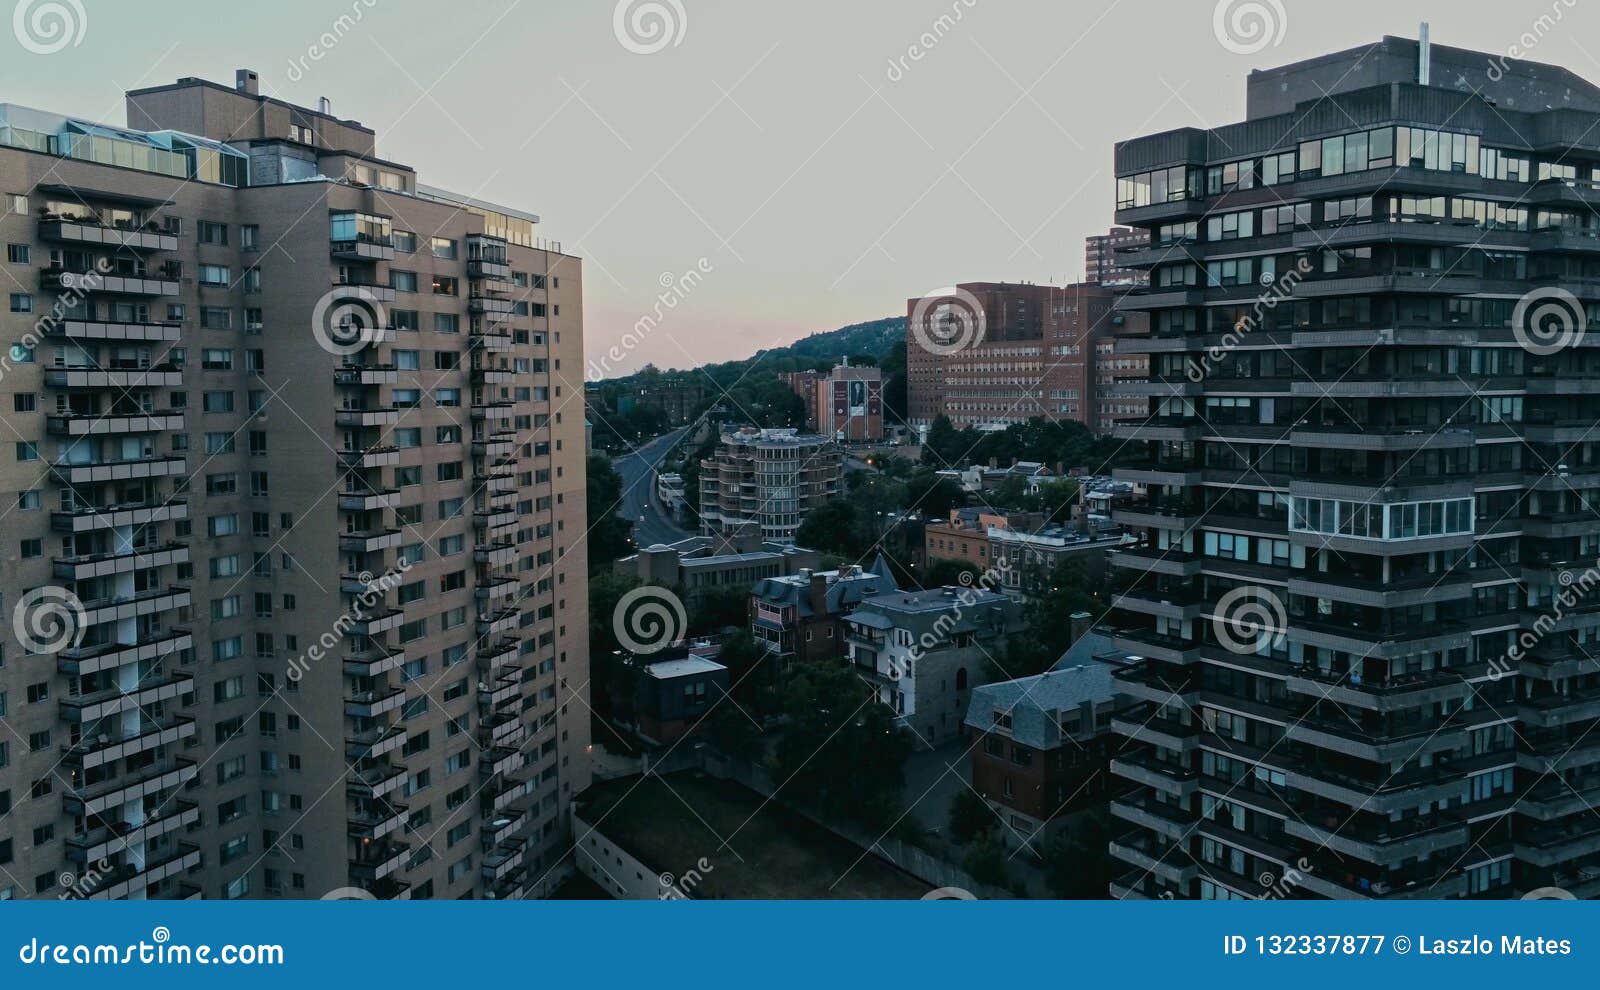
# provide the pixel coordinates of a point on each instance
(671, 697)
(800, 617)
(925, 651)
(1043, 744)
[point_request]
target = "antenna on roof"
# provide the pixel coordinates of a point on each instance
(1424, 55)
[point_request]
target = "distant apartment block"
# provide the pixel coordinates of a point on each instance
(700, 565)
(769, 479)
(1036, 358)
(1101, 256)
(845, 404)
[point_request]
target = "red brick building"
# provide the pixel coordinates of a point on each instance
(1036, 357)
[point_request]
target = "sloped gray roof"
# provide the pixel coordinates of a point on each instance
(1034, 702)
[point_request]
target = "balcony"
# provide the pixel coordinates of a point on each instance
(107, 424)
(76, 231)
(363, 249)
(63, 280)
(357, 418)
(497, 653)
(495, 554)
(101, 471)
(494, 519)
(497, 588)
(374, 823)
(370, 457)
(376, 782)
(371, 541)
(86, 566)
(375, 742)
(1162, 819)
(502, 862)
(150, 782)
(101, 749)
(124, 881)
(505, 689)
(368, 501)
(501, 760)
(91, 518)
(83, 660)
(502, 729)
(502, 620)
(371, 704)
(372, 291)
(378, 860)
(367, 375)
(1383, 843)
(1141, 851)
(1145, 770)
(378, 621)
(499, 830)
(101, 843)
(498, 445)
(85, 708)
(491, 306)
(116, 332)
(493, 411)
(374, 660)
(493, 376)
(90, 378)
(134, 606)
(496, 800)
(1138, 725)
(491, 339)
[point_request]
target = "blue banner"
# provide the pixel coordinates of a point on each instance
(722, 943)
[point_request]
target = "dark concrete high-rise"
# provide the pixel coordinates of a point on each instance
(1364, 592)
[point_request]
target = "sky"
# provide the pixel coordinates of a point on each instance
(816, 164)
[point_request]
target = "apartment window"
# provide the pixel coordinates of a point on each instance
(21, 302)
(19, 254)
(29, 501)
(216, 359)
(447, 397)
(445, 285)
(407, 437)
(402, 281)
(226, 525)
(217, 402)
(249, 237)
(32, 549)
(215, 275)
(444, 247)
(405, 319)
(446, 323)
(27, 451)
(216, 318)
(407, 360)
(211, 233)
(450, 471)
(405, 242)
(446, 360)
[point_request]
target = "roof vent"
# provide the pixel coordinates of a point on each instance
(247, 81)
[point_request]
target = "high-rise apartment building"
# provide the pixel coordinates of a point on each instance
(1031, 353)
(1102, 254)
(766, 481)
(1365, 586)
(292, 450)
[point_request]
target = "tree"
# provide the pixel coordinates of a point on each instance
(985, 862)
(970, 816)
(608, 532)
(832, 527)
(943, 573)
(714, 610)
(1077, 865)
(842, 755)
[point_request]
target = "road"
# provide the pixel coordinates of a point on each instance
(638, 471)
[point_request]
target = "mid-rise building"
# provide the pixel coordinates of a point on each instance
(701, 565)
(800, 617)
(290, 454)
(1364, 584)
(1030, 355)
(924, 652)
(769, 479)
(845, 404)
(1102, 255)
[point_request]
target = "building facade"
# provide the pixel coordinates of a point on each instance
(291, 454)
(849, 404)
(1035, 357)
(1102, 255)
(801, 617)
(1370, 483)
(769, 478)
(924, 651)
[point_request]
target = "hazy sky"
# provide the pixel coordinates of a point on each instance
(822, 172)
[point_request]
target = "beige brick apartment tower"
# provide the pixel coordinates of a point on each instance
(304, 438)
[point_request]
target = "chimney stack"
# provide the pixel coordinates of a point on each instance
(1424, 56)
(247, 81)
(325, 106)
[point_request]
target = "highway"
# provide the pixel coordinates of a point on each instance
(638, 472)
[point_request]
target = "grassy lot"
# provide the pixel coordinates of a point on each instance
(773, 854)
